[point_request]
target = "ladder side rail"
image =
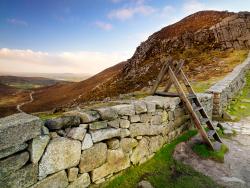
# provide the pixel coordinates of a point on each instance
(176, 72)
(189, 108)
(160, 76)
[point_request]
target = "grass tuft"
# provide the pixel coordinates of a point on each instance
(205, 152)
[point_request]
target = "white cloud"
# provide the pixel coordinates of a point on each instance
(129, 12)
(15, 21)
(104, 26)
(192, 6)
(14, 60)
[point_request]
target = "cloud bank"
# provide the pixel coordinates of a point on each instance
(15, 60)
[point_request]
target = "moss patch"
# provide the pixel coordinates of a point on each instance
(205, 152)
(240, 105)
(163, 171)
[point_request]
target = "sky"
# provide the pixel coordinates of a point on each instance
(86, 36)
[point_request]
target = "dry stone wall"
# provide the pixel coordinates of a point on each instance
(224, 90)
(85, 147)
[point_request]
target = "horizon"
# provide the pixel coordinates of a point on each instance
(86, 37)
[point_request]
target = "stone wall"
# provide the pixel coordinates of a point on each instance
(86, 147)
(224, 90)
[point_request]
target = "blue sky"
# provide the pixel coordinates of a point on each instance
(86, 35)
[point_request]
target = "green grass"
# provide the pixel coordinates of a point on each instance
(25, 86)
(45, 116)
(240, 105)
(163, 171)
(205, 152)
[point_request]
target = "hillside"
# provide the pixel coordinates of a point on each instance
(28, 82)
(198, 38)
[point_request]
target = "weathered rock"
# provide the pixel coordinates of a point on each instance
(62, 122)
(156, 120)
(140, 129)
(81, 182)
(25, 177)
(113, 143)
(140, 107)
(141, 152)
(60, 154)
(108, 113)
(58, 180)
(72, 174)
(146, 118)
(88, 162)
(134, 118)
(85, 126)
(53, 135)
(13, 149)
(125, 109)
(13, 163)
(127, 144)
(164, 117)
(114, 123)
(62, 132)
(144, 184)
(87, 142)
(155, 143)
(85, 116)
(18, 128)
(116, 161)
(104, 134)
(124, 133)
(124, 123)
(37, 147)
(228, 132)
(77, 133)
(45, 130)
(151, 106)
(98, 125)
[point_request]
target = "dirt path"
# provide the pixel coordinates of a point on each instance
(235, 171)
(18, 107)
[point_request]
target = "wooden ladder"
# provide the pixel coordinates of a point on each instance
(190, 101)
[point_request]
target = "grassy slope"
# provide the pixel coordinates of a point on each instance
(163, 171)
(240, 105)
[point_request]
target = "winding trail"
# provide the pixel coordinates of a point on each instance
(18, 107)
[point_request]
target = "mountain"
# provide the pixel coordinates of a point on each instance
(201, 39)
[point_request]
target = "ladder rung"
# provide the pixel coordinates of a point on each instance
(198, 108)
(192, 96)
(204, 120)
(211, 133)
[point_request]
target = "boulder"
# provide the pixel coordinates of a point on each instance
(58, 180)
(98, 125)
(141, 152)
(18, 128)
(72, 174)
(85, 116)
(93, 157)
(77, 133)
(108, 113)
(13, 163)
(61, 153)
(104, 134)
(81, 182)
(134, 118)
(113, 143)
(140, 129)
(37, 147)
(116, 161)
(24, 177)
(140, 107)
(151, 106)
(127, 144)
(114, 123)
(62, 122)
(87, 142)
(13, 149)
(144, 184)
(125, 109)
(155, 143)
(124, 123)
